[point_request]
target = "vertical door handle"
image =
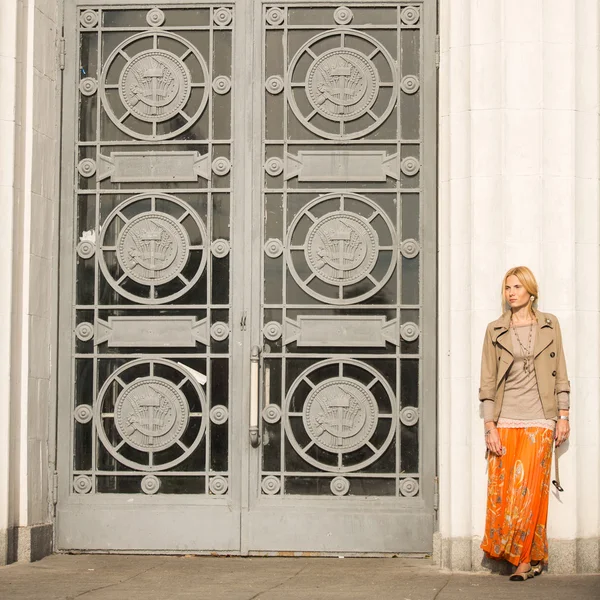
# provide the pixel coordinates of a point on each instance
(254, 396)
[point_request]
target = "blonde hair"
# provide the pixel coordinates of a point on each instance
(529, 282)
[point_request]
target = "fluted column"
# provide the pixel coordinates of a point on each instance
(519, 162)
(8, 124)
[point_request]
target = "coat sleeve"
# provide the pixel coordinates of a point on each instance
(561, 383)
(487, 381)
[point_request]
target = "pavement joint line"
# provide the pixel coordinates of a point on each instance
(258, 594)
(443, 587)
(104, 587)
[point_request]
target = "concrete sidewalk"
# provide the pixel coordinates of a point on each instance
(101, 577)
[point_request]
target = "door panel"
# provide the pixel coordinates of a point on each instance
(149, 379)
(344, 461)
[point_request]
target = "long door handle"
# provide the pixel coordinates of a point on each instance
(254, 396)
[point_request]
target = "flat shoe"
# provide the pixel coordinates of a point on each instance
(537, 569)
(523, 576)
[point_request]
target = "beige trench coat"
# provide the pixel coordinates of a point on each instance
(549, 362)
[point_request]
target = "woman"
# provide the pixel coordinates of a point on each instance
(525, 395)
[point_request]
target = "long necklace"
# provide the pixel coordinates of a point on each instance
(525, 351)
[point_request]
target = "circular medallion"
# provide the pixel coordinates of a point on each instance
(342, 84)
(219, 414)
(219, 331)
(88, 86)
(342, 15)
(410, 166)
(84, 331)
(150, 484)
(274, 84)
(82, 484)
(273, 248)
(339, 486)
(155, 17)
(275, 16)
(221, 166)
(151, 414)
(222, 16)
(410, 84)
(272, 330)
(218, 485)
(271, 413)
(410, 15)
(409, 248)
(87, 167)
(220, 248)
(154, 85)
(408, 487)
(221, 84)
(341, 248)
(153, 248)
(88, 19)
(83, 413)
(409, 332)
(409, 416)
(274, 166)
(340, 415)
(271, 485)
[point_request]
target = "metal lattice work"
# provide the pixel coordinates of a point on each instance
(152, 301)
(342, 198)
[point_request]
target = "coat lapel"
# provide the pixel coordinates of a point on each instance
(545, 334)
(501, 334)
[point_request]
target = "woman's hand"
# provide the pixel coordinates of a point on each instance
(562, 431)
(492, 439)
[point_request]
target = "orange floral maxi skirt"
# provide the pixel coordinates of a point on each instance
(518, 488)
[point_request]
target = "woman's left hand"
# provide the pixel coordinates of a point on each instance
(561, 433)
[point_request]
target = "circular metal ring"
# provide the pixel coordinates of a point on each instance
(82, 484)
(150, 484)
(271, 485)
(84, 331)
(218, 485)
(155, 17)
(271, 414)
(221, 84)
(83, 413)
(219, 414)
(339, 486)
(409, 487)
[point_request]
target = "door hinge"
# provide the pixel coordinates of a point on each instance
(55, 488)
(243, 320)
(61, 53)
(436, 494)
(437, 51)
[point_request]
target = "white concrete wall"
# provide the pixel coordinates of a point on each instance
(519, 161)
(29, 118)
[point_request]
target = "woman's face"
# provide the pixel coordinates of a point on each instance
(515, 293)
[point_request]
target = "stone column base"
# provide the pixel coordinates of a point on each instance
(26, 544)
(566, 557)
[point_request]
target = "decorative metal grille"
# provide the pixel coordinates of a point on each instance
(153, 224)
(342, 195)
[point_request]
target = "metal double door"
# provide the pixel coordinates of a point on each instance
(247, 308)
